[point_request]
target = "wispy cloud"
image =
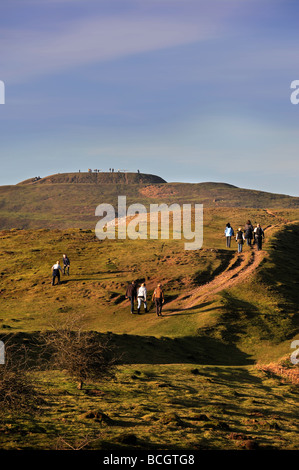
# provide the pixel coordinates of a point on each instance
(29, 53)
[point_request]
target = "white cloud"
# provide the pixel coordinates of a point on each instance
(28, 53)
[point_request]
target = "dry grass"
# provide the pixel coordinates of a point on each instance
(290, 373)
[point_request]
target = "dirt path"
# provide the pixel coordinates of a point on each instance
(241, 266)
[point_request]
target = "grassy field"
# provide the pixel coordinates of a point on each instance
(150, 407)
(195, 378)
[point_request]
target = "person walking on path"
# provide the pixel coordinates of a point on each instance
(259, 235)
(56, 268)
(158, 298)
(66, 265)
(141, 297)
(229, 233)
(131, 294)
(240, 239)
(248, 235)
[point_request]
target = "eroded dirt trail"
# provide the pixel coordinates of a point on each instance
(241, 266)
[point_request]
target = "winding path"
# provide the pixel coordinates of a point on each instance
(240, 267)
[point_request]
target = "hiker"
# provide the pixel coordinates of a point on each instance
(55, 272)
(248, 235)
(66, 265)
(141, 297)
(240, 239)
(229, 233)
(131, 294)
(259, 235)
(158, 298)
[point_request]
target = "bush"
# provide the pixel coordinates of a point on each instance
(84, 355)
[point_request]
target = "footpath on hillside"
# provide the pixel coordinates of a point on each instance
(241, 266)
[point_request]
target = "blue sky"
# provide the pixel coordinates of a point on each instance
(190, 90)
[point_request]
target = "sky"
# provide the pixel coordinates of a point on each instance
(190, 90)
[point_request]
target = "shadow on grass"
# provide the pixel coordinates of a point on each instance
(202, 277)
(135, 349)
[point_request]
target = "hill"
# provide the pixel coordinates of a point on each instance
(213, 373)
(69, 200)
(95, 178)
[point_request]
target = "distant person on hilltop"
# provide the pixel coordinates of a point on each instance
(229, 233)
(248, 232)
(240, 239)
(259, 235)
(66, 265)
(56, 272)
(131, 294)
(141, 297)
(158, 298)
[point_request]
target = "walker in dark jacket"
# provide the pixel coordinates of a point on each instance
(66, 264)
(131, 293)
(259, 235)
(248, 235)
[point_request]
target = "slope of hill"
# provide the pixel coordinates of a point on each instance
(189, 379)
(69, 200)
(237, 318)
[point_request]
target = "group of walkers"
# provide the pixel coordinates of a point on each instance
(249, 235)
(56, 269)
(134, 293)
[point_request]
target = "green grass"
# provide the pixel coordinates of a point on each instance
(173, 407)
(187, 380)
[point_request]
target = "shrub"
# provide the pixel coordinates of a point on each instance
(84, 355)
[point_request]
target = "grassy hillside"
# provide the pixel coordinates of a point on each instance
(213, 373)
(188, 380)
(69, 200)
(264, 307)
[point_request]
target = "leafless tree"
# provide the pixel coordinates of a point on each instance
(83, 354)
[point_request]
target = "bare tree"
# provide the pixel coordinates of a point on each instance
(83, 354)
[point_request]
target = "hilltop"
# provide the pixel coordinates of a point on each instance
(95, 178)
(69, 200)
